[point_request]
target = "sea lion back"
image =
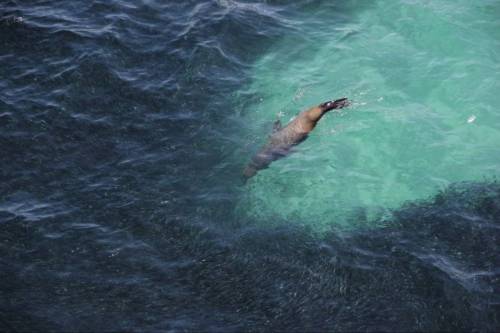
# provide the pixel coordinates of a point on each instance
(283, 139)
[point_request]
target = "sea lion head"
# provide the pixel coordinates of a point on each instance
(337, 104)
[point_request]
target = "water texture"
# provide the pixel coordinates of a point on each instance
(125, 125)
(424, 79)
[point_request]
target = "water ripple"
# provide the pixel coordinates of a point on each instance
(121, 122)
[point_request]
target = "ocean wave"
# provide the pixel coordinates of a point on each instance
(120, 126)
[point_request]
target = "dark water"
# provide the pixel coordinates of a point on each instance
(117, 200)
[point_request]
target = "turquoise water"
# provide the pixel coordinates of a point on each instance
(125, 125)
(425, 80)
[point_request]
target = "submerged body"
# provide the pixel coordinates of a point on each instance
(283, 139)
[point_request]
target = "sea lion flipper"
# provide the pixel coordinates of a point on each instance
(277, 126)
(283, 139)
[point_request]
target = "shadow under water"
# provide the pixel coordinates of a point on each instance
(117, 196)
(433, 267)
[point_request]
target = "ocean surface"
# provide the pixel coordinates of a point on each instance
(125, 126)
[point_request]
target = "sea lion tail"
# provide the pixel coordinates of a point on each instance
(248, 173)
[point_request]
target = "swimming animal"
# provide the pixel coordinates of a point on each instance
(284, 138)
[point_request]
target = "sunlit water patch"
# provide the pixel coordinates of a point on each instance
(125, 124)
(424, 79)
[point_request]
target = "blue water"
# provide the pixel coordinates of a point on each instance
(125, 125)
(423, 78)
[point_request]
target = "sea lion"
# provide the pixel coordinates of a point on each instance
(284, 138)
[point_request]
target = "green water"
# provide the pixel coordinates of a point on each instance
(425, 80)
